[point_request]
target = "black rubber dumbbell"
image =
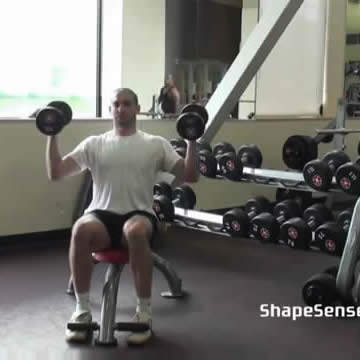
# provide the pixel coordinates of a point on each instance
(318, 174)
(164, 206)
(237, 221)
(331, 236)
(320, 289)
(232, 165)
(348, 177)
(299, 149)
(208, 161)
(180, 146)
(266, 227)
(163, 188)
(51, 119)
(192, 120)
(297, 232)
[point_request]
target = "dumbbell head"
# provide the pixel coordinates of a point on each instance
(207, 164)
(335, 158)
(317, 214)
(191, 122)
(184, 197)
(344, 219)
(348, 177)
(320, 289)
(286, 209)
(236, 222)
(304, 198)
(318, 174)
(250, 156)
(51, 119)
(296, 233)
(163, 188)
(331, 238)
(265, 228)
(164, 208)
(230, 166)
(257, 205)
(223, 148)
(299, 150)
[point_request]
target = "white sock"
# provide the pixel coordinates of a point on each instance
(82, 302)
(143, 305)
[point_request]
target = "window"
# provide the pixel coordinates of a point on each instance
(48, 52)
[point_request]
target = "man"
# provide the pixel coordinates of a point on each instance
(169, 98)
(124, 163)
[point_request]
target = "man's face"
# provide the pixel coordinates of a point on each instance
(124, 109)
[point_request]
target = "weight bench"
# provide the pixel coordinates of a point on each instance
(117, 259)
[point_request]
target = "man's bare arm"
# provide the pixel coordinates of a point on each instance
(58, 167)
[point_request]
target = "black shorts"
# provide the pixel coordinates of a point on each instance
(114, 224)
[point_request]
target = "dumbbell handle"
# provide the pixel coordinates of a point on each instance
(176, 201)
(311, 223)
(280, 219)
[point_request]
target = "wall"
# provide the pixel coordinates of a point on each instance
(31, 203)
(334, 62)
(248, 99)
(172, 34)
(335, 58)
(353, 26)
(143, 64)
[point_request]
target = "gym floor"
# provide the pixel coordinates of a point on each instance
(227, 280)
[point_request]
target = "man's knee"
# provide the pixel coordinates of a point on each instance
(88, 231)
(138, 229)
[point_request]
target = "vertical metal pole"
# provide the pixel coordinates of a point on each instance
(339, 141)
(99, 46)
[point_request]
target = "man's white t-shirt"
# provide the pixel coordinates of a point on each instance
(124, 169)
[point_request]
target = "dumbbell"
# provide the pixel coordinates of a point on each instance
(331, 236)
(180, 146)
(163, 188)
(191, 122)
(297, 232)
(208, 161)
(348, 177)
(51, 119)
(232, 165)
(266, 227)
(237, 221)
(299, 149)
(318, 174)
(164, 206)
(320, 289)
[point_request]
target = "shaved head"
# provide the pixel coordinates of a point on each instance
(126, 91)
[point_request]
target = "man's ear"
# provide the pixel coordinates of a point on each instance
(138, 108)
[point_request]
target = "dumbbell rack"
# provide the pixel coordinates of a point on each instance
(282, 179)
